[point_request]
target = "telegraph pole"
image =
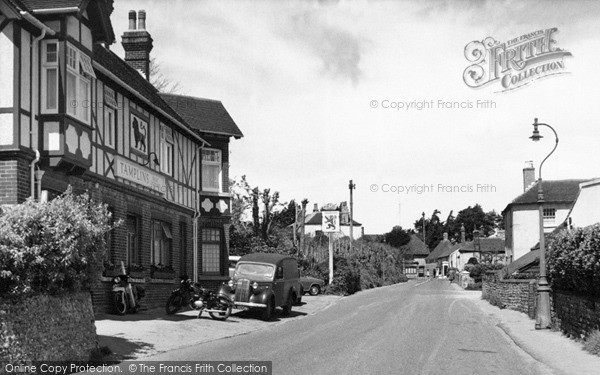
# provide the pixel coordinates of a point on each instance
(351, 186)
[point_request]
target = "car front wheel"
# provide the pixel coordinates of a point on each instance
(314, 290)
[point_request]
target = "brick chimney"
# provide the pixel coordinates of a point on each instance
(137, 43)
(445, 236)
(316, 208)
(528, 175)
(462, 234)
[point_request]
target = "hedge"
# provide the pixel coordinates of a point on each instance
(573, 260)
(52, 247)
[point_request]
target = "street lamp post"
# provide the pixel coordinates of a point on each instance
(542, 320)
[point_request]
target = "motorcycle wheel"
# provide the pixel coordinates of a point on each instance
(223, 305)
(120, 303)
(173, 304)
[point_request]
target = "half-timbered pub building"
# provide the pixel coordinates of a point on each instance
(73, 113)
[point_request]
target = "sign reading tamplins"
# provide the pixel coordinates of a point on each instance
(514, 63)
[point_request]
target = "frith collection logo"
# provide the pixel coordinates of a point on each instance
(515, 63)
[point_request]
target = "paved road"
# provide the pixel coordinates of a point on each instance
(414, 328)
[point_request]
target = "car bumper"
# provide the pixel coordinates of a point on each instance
(250, 304)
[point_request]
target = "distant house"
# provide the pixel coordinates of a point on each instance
(521, 215)
(437, 263)
(415, 252)
(489, 248)
(313, 221)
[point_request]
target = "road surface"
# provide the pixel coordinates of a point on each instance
(411, 328)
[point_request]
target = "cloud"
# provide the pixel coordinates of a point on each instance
(338, 49)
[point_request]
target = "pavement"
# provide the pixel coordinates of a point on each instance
(149, 332)
(552, 348)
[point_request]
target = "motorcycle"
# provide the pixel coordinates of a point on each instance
(185, 295)
(218, 306)
(125, 296)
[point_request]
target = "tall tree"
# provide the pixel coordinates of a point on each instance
(397, 237)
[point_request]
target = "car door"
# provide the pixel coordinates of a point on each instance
(279, 285)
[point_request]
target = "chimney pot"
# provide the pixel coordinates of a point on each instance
(132, 18)
(142, 20)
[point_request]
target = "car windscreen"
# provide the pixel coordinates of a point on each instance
(258, 272)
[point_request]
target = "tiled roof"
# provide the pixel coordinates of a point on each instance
(524, 263)
(114, 64)
(415, 246)
(316, 218)
(204, 115)
(555, 191)
(488, 245)
(33, 5)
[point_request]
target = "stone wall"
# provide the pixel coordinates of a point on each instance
(47, 328)
(575, 315)
(519, 295)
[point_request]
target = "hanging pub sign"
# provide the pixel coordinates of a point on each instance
(330, 222)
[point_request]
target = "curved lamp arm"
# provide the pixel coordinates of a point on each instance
(536, 137)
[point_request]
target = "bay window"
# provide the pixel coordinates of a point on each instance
(79, 73)
(211, 169)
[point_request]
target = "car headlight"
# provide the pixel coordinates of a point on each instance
(117, 280)
(255, 285)
(230, 283)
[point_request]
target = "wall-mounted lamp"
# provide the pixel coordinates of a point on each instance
(155, 159)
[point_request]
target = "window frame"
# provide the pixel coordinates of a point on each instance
(132, 252)
(166, 150)
(49, 65)
(211, 241)
(218, 163)
(165, 244)
(110, 126)
(548, 218)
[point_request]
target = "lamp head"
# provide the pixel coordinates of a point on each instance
(536, 133)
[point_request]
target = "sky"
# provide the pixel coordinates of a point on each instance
(322, 91)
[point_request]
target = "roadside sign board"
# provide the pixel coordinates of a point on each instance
(330, 222)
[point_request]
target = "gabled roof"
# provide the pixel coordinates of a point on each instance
(113, 64)
(204, 115)
(416, 247)
(445, 246)
(316, 218)
(555, 191)
(99, 12)
(34, 5)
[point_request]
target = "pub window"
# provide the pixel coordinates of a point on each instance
(166, 150)
(161, 244)
(133, 248)
(211, 169)
(50, 77)
(211, 250)
(110, 117)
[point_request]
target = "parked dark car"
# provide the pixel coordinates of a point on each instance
(265, 281)
(312, 285)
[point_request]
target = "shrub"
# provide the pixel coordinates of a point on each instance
(52, 247)
(346, 278)
(574, 260)
(592, 343)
